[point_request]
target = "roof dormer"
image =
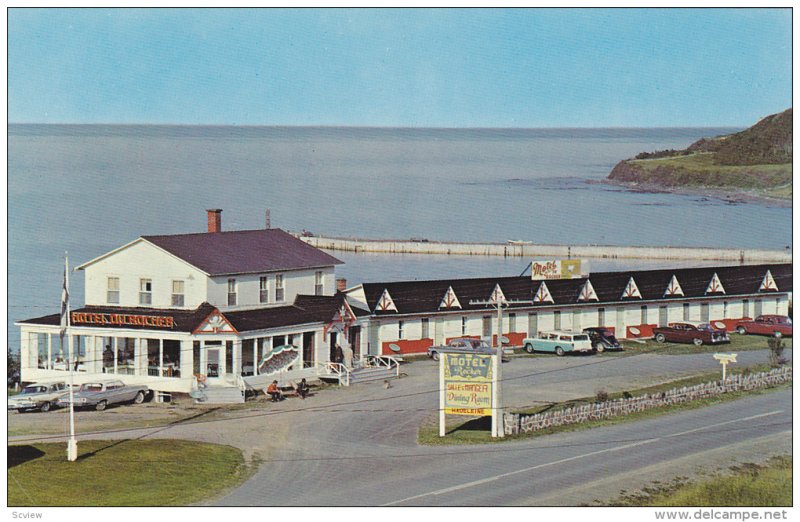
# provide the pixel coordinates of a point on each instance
(715, 286)
(543, 294)
(768, 283)
(385, 303)
(497, 295)
(631, 290)
(674, 288)
(450, 300)
(587, 292)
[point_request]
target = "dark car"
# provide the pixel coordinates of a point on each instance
(767, 325)
(686, 332)
(602, 339)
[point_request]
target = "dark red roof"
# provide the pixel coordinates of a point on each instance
(244, 251)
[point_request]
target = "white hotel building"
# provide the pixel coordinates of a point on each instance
(163, 310)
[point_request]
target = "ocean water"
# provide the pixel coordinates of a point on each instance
(87, 189)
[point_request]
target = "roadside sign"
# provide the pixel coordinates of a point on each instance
(467, 383)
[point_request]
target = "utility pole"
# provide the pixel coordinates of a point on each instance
(72, 443)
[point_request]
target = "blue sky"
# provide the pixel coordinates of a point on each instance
(430, 68)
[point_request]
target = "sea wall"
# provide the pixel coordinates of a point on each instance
(400, 246)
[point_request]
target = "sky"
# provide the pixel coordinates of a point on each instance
(400, 67)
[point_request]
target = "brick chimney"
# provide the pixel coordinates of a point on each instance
(341, 284)
(214, 220)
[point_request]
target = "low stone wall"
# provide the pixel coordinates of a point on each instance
(516, 423)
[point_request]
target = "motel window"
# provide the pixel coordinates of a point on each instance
(228, 357)
(644, 314)
(145, 291)
(79, 347)
(231, 292)
(426, 328)
(463, 326)
(556, 320)
(125, 355)
(757, 307)
(745, 308)
(248, 356)
(112, 292)
(601, 317)
(318, 286)
(177, 293)
(725, 309)
(400, 325)
(777, 305)
(279, 291)
(263, 290)
(512, 323)
(685, 311)
(487, 326)
(42, 349)
(108, 357)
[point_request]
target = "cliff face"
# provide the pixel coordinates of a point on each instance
(757, 158)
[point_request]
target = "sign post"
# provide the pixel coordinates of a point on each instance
(724, 359)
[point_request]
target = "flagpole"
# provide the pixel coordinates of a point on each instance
(72, 444)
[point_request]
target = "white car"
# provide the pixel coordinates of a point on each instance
(40, 396)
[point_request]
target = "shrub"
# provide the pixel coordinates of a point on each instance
(601, 396)
(776, 358)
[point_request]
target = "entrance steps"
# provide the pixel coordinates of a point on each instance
(372, 374)
(218, 395)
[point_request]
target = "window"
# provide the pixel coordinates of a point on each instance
(704, 312)
(725, 309)
(112, 293)
(745, 308)
(400, 325)
(533, 323)
(512, 322)
(487, 326)
(231, 292)
(463, 326)
(644, 315)
(757, 307)
(263, 290)
(318, 286)
(556, 320)
(279, 296)
(425, 328)
(177, 293)
(145, 291)
(601, 317)
(685, 311)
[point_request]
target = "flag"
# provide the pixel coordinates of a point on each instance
(64, 303)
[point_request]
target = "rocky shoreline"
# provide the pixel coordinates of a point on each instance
(732, 196)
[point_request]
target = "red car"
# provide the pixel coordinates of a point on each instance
(697, 333)
(767, 325)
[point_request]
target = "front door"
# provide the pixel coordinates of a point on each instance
(355, 340)
(332, 346)
(213, 365)
(438, 331)
(662, 316)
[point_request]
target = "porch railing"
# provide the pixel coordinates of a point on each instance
(377, 361)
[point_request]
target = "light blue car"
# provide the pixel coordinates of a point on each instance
(558, 342)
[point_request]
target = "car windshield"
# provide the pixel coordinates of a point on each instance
(33, 389)
(93, 387)
(478, 344)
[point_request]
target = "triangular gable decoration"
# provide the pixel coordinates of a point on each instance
(631, 290)
(385, 303)
(587, 292)
(715, 286)
(674, 288)
(543, 294)
(450, 300)
(768, 284)
(497, 295)
(215, 323)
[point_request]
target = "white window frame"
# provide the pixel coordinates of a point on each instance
(111, 291)
(280, 289)
(145, 291)
(232, 294)
(425, 328)
(319, 283)
(400, 329)
(178, 298)
(263, 289)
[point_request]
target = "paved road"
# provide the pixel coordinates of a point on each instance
(366, 453)
(357, 446)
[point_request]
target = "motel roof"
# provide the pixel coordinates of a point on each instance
(305, 310)
(415, 297)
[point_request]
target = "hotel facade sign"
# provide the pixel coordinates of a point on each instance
(116, 319)
(559, 269)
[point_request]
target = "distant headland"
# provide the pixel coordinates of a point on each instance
(754, 164)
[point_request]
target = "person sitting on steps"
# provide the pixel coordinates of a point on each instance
(302, 389)
(274, 392)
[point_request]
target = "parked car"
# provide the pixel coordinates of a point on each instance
(766, 325)
(100, 394)
(687, 332)
(40, 396)
(558, 342)
(602, 339)
(463, 345)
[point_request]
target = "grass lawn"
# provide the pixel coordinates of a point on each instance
(478, 430)
(122, 473)
(768, 485)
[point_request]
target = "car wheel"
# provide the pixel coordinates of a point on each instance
(45, 407)
(660, 338)
(139, 398)
(600, 348)
(559, 351)
(740, 330)
(435, 356)
(101, 406)
(697, 342)
(529, 348)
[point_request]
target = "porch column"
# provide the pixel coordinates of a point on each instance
(236, 358)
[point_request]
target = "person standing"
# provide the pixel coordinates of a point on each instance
(338, 355)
